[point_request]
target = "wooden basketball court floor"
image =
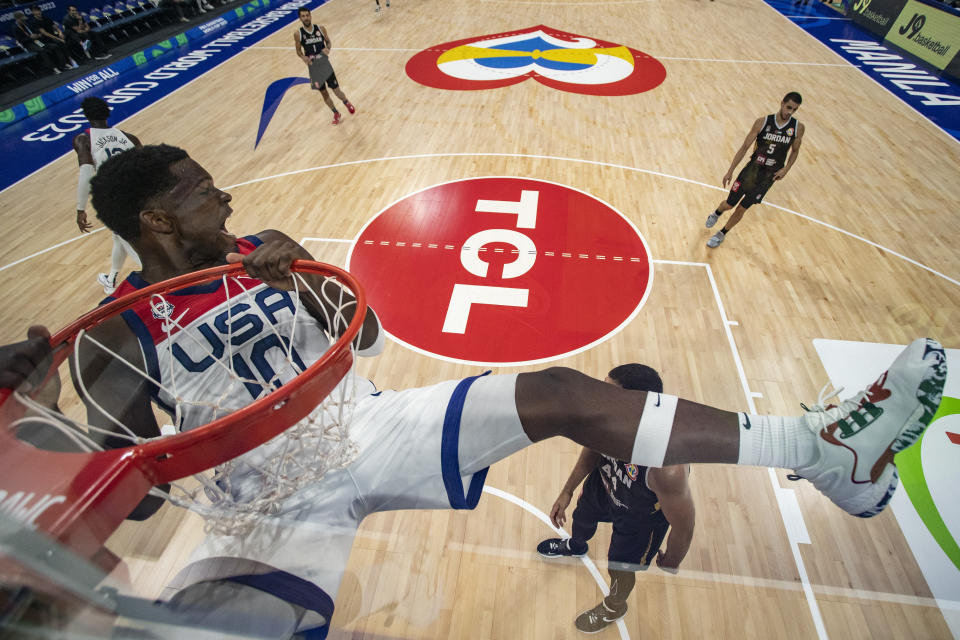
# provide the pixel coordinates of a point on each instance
(857, 243)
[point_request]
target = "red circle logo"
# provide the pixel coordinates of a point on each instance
(500, 271)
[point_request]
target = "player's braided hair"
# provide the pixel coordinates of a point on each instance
(126, 182)
(95, 108)
(637, 377)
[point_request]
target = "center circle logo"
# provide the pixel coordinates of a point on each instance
(502, 270)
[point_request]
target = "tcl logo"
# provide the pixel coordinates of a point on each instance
(501, 270)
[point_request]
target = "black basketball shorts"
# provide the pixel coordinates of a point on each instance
(636, 537)
(751, 185)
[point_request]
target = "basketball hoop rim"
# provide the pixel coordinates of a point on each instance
(218, 441)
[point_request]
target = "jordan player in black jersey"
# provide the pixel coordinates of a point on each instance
(641, 502)
(771, 137)
(313, 46)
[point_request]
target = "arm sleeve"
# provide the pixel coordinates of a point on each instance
(83, 186)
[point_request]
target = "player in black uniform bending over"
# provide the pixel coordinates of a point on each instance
(771, 137)
(641, 502)
(313, 47)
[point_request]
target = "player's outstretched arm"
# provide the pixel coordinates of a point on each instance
(673, 491)
(81, 145)
(271, 262)
(114, 392)
(326, 39)
(299, 47)
(23, 368)
(111, 389)
(794, 152)
(742, 151)
(585, 464)
(22, 364)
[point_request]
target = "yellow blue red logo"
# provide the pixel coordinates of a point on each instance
(557, 59)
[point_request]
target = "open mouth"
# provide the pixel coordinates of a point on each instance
(223, 226)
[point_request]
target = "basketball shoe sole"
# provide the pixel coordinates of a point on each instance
(857, 439)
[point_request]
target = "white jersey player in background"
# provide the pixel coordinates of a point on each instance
(94, 146)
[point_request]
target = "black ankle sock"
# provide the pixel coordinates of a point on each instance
(724, 231)
(718, 212)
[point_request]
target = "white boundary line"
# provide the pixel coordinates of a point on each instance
(563, 159)
(264, 47)
(659, 57)
(871, 78)
(51, 248)
(805, 64)
(791, 516)
(586, 560)
(690, 575)
(597, 163)
(326, 240)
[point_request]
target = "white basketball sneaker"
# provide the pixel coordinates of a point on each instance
(856, 440)
(108, 282)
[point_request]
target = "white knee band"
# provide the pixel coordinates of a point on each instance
(653, 433)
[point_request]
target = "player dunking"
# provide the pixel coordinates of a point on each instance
(771, 136)
(93, 147)
(313, 46)
(417, 448)
(641, 502)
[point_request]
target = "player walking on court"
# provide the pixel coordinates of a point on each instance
(771, 136)
(641, 502)
(418, 448)
(93, 147)
(313, 47)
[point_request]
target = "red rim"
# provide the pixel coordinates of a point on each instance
(102, 487)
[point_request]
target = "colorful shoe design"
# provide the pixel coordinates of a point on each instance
(858, 438)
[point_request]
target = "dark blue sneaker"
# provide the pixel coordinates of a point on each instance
(556, 547)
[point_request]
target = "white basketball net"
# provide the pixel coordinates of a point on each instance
(234, 496)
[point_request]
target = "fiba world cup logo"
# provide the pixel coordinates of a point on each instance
(560, 60)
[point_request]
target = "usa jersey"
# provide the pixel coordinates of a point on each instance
(626, 486)
(313, 41)
(773, 141)
(197, 341)
(107, 142)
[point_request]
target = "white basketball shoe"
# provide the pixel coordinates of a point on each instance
(856, 440)
(108, 281)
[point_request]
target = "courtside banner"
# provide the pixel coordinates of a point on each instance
(877, 16)
(137, 60)
(927, 33)
(47, 133)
